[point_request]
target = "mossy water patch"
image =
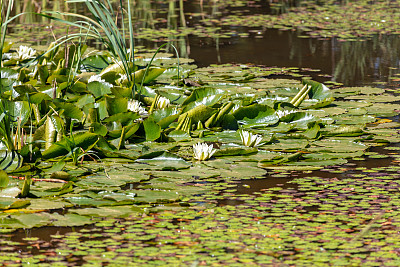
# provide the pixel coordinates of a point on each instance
(349, 21)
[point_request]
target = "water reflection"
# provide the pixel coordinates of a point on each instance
(375, 59)
(351, 63)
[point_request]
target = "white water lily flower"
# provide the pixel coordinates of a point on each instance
(97, 78)
(136, 106)
(7, 75)
(202, 151)
(162, 102)
(122, 78)
(6, 56)
(249, 139)
(283, 113)
(25, 52)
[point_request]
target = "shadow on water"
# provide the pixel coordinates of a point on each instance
(45, 233)
(331, 172)
(34, 241)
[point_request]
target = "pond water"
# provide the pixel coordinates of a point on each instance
(375, 61)
(350, 63)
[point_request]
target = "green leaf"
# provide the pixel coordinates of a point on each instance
(251, 111)
(82, 140)
(10, 192)
(152, 129)
(69, 220)
(70, 110)
(319, 92)
(201, 93)
(124, 118)
(200, 113)
(48, 131)
(118, 91)
(58, 166)
(116, 105)
(164, 117)
(19, 111)
(30, 220)
(99, 128)
(202, 96)
(179, 135)
(263, 119)
(114, 211)
(235, 151)
(85, 100)
(24, 89)
(301, 120)
(4, 180)
(312, 131)
(99, 89)
(151, 75)
(167, 161)
(34, 98)
(152, 196)
(344, 130)
(96, 62)
(11, 203)
(51, 192)
(8, 77)
(256, 115)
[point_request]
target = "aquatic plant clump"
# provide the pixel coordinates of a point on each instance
(82, 122)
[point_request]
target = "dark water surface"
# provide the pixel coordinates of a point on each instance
(351, 63)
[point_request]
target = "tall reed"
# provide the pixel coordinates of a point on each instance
(103, 26)
(4, 20)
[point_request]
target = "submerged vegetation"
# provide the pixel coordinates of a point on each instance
(162, 148)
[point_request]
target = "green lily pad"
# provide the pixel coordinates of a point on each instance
(152, 129)
(151, 196)
(167, 161)
(82, 140)
(4, 180)
(12, 203)
(69, 220)
(114, 211)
